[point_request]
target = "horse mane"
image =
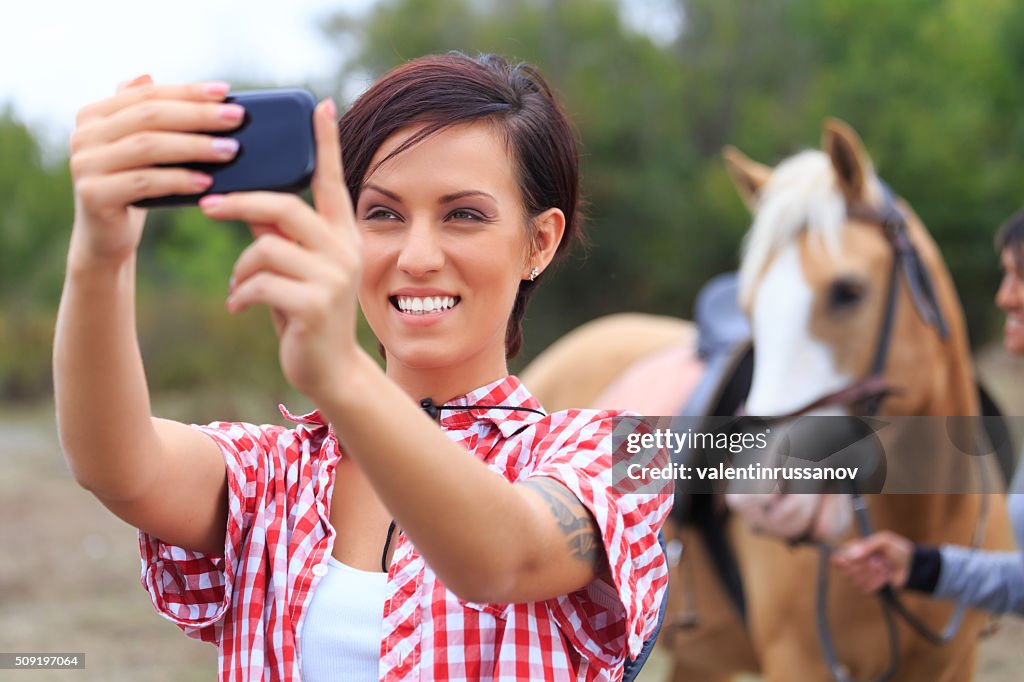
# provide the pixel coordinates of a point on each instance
(802, 194)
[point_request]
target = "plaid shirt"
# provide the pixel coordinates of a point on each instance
(251, 601)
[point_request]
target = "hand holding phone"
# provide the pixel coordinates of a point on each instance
(276, 148)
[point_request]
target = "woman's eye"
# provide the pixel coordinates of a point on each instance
(381, 214)
(464, 214)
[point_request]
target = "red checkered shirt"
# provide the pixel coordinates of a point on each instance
(251, 601)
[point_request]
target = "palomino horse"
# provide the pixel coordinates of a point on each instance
(815, 280)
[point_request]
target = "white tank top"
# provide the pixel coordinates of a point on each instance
(340, 639)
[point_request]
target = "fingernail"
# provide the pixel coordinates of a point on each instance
(331, 108)
(232, 112)
(225, 146)
(211, 201)
(201, 180)
(231, 286)
(217, 88)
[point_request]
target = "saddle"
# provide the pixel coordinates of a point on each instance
(724, 344)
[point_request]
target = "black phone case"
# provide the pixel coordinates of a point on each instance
(276, 148)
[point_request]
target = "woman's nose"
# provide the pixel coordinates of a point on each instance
(1009, 293)
(421, 251)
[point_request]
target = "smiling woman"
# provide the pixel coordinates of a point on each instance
(444, 213)
(453, 187)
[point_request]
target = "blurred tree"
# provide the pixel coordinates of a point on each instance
(932, 86)
(35, 209)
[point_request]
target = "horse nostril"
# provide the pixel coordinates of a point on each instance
(845, 293)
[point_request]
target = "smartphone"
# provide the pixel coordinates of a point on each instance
(276, 148)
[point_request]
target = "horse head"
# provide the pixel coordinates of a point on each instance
(852, 309)
(816, 280)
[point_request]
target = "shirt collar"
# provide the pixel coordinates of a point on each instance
(507, 391)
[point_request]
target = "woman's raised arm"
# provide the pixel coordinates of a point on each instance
(157, 475)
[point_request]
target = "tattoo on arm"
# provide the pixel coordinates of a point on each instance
(583, 537)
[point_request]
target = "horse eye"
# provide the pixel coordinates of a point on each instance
(845, 293)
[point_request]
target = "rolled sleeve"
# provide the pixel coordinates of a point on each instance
(192, 589)
(607, 622)
(988, 580)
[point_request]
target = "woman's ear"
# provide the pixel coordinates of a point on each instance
(548, 228)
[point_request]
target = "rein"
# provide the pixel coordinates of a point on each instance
(869, 393)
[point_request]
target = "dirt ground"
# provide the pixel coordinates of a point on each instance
(69, 570)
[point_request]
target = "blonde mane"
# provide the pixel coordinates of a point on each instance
(802, 194)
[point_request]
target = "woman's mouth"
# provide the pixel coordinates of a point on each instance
(423, 305)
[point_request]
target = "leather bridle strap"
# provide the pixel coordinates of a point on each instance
(871, 387)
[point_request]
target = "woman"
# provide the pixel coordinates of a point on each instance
(989, 580)
(515, 558)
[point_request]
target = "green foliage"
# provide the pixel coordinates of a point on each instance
(932, 86)
(35, 210)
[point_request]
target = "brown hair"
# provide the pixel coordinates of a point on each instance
(441, 91)
(1011, 236)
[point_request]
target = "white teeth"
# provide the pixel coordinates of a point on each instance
(422, 306)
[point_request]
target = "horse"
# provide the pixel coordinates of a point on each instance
(825, 286)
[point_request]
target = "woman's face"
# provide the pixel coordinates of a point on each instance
(1010, 298)
(445, 246)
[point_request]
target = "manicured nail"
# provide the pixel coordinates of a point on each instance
(225, 146)
(216, 88)
(211, 201)
(331, 108)
(232, 112)
(201, 180)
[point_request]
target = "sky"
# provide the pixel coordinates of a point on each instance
(58, 55)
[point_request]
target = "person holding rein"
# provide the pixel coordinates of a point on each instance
(453, 186)
(988, 580)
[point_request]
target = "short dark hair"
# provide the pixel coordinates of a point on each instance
(1011, 236)
(441, 91)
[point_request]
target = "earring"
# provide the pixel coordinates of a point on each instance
(534, 273)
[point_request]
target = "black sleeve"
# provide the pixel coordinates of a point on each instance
(925, 565)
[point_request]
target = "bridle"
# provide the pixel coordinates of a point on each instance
(866, 396)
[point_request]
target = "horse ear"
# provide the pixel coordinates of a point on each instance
(849, 158)
(748, 175)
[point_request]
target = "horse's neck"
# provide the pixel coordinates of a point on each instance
(928, 519)
(951, 390)
(945, 381)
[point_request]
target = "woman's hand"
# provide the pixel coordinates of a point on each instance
(305, 265)
(117, 146)
(875, 561)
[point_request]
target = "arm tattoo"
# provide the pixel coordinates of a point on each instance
(583, 537)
